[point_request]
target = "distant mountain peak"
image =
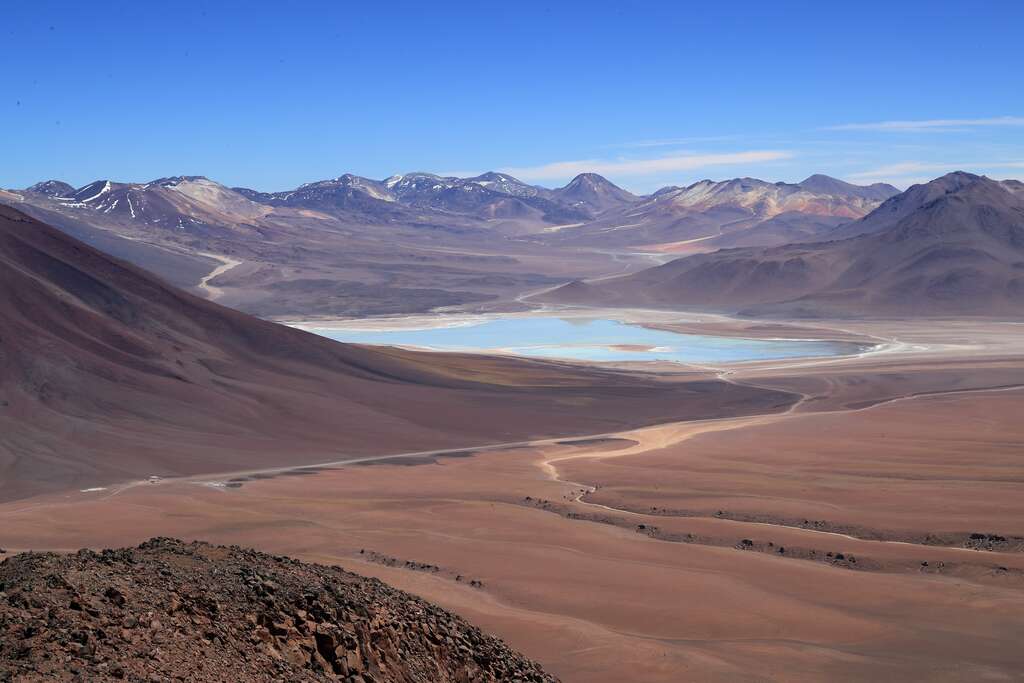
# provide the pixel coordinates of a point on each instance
(914, 198)
(591, 179)
(921, 194)
(344, 180)
(824, 184)
(174, 181)
(416, 175)
(951, 246)
(506, 184)
(955, 181)
(52, 188)
(493, 175)
(594, 193)
(820, 178)
(93, 190)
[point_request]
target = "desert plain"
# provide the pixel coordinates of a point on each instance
(869, 528)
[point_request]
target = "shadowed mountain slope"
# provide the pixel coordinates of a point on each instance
(823, 184)
(716, 214)
(954, 246)
(419, 241)
(593, 193)
(107, 374)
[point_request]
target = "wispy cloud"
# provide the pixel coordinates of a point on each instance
(932, 125)
(907, 173)
(905, 168)
(673, 142)
(641, 167)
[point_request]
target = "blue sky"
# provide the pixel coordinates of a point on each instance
(648, 94)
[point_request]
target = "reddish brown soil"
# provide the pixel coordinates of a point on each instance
(828, 543)
(168, 611)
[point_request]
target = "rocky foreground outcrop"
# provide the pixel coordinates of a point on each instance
(174, 611)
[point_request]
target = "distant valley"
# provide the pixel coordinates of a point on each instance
(352, 246)
(107, 374)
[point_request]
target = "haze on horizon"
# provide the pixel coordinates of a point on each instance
(650, 97)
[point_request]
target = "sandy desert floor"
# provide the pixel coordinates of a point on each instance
(875, 531)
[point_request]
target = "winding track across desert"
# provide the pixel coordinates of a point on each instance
(226, 263)
(873, 531)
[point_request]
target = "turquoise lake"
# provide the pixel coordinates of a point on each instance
(591, 339)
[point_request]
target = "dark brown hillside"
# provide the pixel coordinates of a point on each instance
(168, 610)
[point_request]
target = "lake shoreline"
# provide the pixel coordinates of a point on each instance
(653, 331)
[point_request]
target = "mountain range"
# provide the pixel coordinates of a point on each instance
(953, 246)
(193, 202)
(490, 195)
(708, 215)
(416, 242)
(196, 203)
(338, 247)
